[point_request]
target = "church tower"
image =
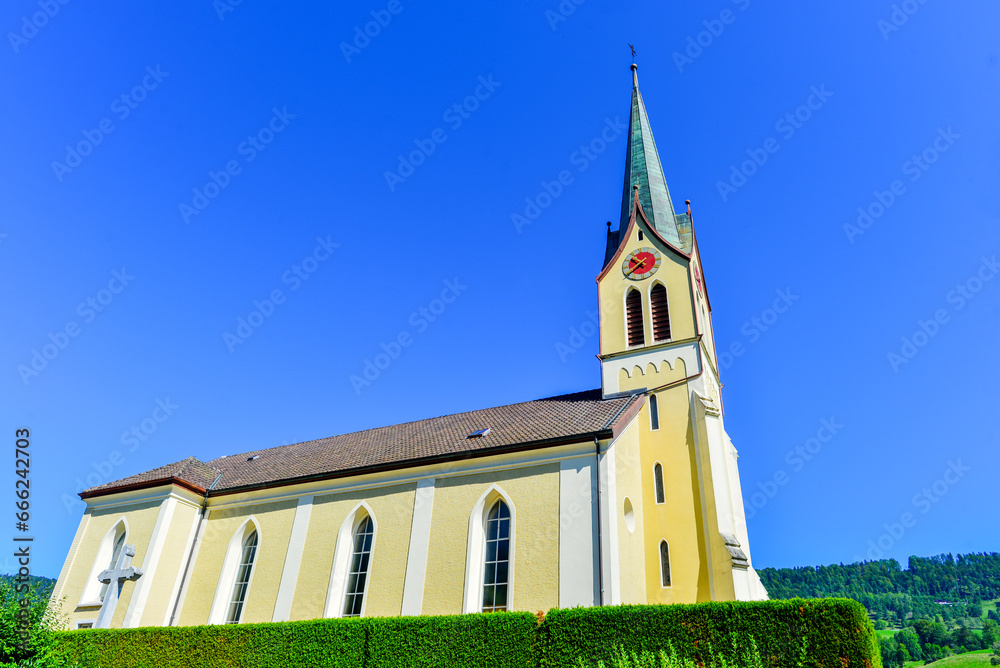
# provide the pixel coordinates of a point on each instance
(656, 340)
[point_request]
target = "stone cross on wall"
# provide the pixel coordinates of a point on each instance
(115, 578)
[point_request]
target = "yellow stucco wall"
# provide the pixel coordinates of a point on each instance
(275, 523)
(534, 492)
(393, 511)
(140, 519)
(678, 519)
(673, 273)
(172, 560)
(632, 558)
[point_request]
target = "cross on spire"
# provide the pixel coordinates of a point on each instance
(115, 578)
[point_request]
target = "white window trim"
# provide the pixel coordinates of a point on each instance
(670, 322)
(476, 550)
(336, 593)
(81, 622)
(230, 566)
(91, 596)
(659, 560)
(642, 310)
(662, 483)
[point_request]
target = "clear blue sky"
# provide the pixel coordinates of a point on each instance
(335, 120)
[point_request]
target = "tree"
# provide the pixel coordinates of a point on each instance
(991, 633)
(890, 653)
(930, 633)
(911, 642)
(964, 640)
(25, 630)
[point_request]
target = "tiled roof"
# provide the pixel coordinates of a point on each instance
(531, 423)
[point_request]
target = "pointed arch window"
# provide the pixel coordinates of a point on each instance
(497, 567)
(661, 312)
(115, 553)
(108, 552)
(654, 413)
(658, 483)
(664, 564)
(633, 318)
(247, 558)
(357, 577)
(489, 555)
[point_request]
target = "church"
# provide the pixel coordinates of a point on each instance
(629, 493)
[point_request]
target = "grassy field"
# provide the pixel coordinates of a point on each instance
(980, 659)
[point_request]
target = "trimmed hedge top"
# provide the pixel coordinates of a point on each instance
(837, 634)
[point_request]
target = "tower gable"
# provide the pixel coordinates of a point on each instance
(667, 348)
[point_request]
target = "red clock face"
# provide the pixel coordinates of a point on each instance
(641, 264)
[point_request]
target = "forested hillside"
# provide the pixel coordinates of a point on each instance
(894, 594)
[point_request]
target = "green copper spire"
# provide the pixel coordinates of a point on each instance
(642, 168)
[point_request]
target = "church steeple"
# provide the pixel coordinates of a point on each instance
(643, 168)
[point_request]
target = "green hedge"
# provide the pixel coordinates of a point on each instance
(496, 640)
(837, 632)
(280, 645)
(500, 640)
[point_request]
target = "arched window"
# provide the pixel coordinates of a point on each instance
(633, 317)
(661, 314)
(658, 482)
(243, 574)
(497, 558)
(115, 553)
(108, 553)
(664, 564)
(357, 576)
(351, 572)
(654, 413)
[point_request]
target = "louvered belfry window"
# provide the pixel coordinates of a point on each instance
(633, 314)
(661, 316)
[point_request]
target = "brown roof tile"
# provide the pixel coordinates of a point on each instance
(528, 424)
